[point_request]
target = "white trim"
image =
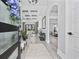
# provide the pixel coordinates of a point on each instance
(61, 54)
(48, 41)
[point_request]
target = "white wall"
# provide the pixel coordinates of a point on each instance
(41, 7)
(44, 7)
(72, 25)
(61, 29)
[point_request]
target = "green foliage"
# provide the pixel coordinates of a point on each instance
(8, 8)
(24, 34)
(14, 20)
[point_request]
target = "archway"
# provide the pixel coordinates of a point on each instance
(53, 25)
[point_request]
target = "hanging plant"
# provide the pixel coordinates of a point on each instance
(8, 8)
(13, 7)
(13, 19)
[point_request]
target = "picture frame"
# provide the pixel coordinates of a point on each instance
(44, 22)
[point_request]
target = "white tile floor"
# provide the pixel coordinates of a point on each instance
(39, 50)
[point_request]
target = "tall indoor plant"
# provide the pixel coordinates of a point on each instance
(24, 34)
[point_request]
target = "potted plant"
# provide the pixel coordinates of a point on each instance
(24, 34)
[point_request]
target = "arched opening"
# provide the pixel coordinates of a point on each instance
(53, 25)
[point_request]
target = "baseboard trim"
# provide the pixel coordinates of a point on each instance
(61, 54)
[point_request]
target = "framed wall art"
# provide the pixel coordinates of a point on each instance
(44, 22)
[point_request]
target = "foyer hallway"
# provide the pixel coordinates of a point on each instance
(36, 49)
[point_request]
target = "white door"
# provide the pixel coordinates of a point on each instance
(73, 21)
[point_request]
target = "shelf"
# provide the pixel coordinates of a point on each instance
(9, 38)
(9, 51)
(7, 27)
(4, 1)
